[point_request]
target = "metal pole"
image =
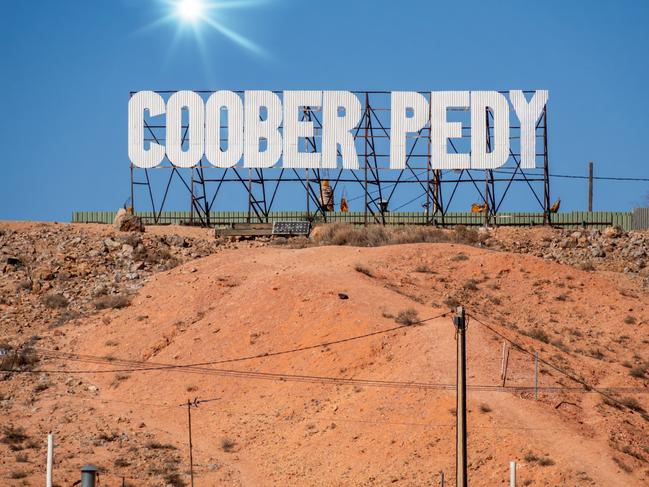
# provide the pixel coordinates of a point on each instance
(191, 457)
(50, 460)
(536, 376)
(367, 103)
(460, 448)
(441, 479)
(512, 474)
(89, 476)
(590, 186)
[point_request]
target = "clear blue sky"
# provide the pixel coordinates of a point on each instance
(67, 67)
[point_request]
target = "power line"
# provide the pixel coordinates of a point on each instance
(148, 366)
(605, 392)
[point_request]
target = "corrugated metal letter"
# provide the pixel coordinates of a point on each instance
(481, 101)
(400, 123)
(442, 129)
(295, 128)
(528, 114)
(139, 102)
(234, 106)
(256, 129)
(336, 130)
(195, 133)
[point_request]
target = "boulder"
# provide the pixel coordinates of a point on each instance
(125, 222)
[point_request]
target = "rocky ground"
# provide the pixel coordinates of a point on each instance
(87, 297)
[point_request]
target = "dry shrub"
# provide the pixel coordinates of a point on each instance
(114, 301)
(363, 270)
(227, 445)
(378, 235)
(485, 408)
(407, 317)
(20, 359)
(538, 334)
(638, 371)
(13, 435)
(451, 302)
(55, 300)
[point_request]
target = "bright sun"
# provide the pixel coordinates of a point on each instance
(189, 10)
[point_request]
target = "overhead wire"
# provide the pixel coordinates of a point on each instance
(604, 392)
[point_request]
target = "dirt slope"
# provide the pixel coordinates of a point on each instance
(284, 430)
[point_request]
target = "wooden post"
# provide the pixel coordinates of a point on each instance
(536, 376)
(191, 457)
(461, 461)
(590, 186)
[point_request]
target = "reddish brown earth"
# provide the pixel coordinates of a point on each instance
(283, 430)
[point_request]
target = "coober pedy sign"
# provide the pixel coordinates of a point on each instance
(261, 128)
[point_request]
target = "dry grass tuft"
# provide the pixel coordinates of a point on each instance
(407, 317)
(379, 235)
(114, 301)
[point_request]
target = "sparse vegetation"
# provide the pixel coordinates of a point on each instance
(407, 317)
(538, 334)
(451, 302)
(639, 371)
(156, 445)
(485, 408)
(121, 462)
(379, 235)
(424, 269)
(227, 444)
(459, 257)
(55, 300)
(13, 435)
(545, 461)
(470, 285)
(530, 457)
(629, 320)
(586, 266)
(622, 465)
(114, 301)
(18, 474)
(633, 404)
(363, 270)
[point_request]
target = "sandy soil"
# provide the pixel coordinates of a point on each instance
(298, 428)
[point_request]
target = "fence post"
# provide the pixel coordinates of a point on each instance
(536, 376)
(50, 460)
(512, 474)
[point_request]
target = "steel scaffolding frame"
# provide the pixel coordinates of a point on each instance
(437, 188)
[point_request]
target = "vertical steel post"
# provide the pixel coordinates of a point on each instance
(460, 448)
(536, 376)
(512, 474)
(89, 476)
(367, 114)
(50, 460)
(590, 186)
(191, 455)
(249, 194)
(441, 479)
(547, 216)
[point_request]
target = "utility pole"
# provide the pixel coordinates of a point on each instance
(459, 320)
(191, 458)
(590, 186)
